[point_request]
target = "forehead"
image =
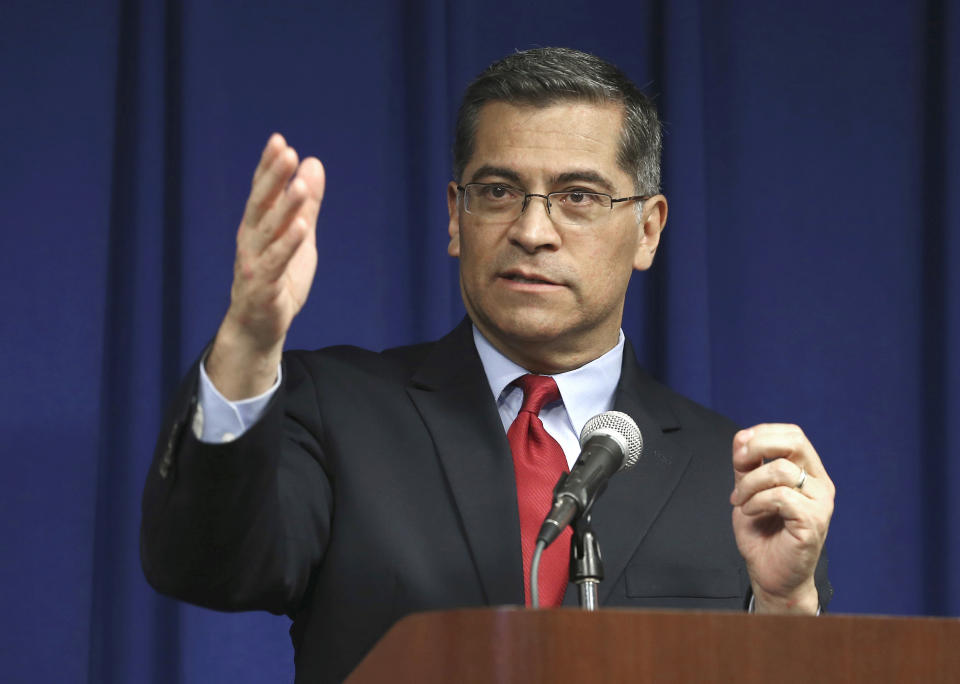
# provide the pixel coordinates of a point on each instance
(541, 142)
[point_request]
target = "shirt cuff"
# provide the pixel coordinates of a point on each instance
(217, 419)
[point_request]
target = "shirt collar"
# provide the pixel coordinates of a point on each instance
(585, 391)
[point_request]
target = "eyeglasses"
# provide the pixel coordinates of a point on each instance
(500, 203)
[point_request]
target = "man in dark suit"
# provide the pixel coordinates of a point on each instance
(355, 487)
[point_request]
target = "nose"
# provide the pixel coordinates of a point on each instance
(534, 230)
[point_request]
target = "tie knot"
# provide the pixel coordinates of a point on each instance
(538, 391)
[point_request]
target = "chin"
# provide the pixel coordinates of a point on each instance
(530, 327)
(511, 322)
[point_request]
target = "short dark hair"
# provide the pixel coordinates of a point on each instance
(545, 76)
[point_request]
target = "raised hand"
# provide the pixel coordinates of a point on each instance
(782, 504)
(275, 263)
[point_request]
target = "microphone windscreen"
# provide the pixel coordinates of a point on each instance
(619, 424)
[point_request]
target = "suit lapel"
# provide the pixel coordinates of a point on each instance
(624, 513)
(451, 392)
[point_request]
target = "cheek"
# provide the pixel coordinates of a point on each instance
(605, 272)
(472, 268)
(476, 254)
(609, 261)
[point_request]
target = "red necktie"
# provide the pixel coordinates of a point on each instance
(538, 461)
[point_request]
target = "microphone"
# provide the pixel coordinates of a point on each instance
(609, 442)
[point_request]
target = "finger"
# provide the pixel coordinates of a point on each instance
(281, 215)
(785, 502)
(741, 442)
(275, 144)
(268, 186)
(302, 198)
(277, 256)
(778, 473)
(807, 521)
(313, 174)
(767, 442)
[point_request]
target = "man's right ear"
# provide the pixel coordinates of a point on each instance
(453, 249)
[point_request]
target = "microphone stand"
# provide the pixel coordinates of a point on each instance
(586, 566)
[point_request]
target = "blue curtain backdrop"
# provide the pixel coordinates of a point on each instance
(808, 272)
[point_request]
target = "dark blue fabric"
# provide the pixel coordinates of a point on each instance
(808, 272)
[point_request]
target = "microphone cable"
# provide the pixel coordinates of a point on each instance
(534, 575)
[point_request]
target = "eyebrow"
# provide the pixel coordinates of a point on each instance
(501, 171)
(581, 175)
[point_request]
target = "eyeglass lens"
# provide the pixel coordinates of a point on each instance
(502, 203)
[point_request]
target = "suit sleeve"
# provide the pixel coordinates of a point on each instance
(240, 525)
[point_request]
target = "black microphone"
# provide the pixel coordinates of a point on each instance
(609, 442)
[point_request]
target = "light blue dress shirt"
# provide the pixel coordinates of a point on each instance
(217, 419)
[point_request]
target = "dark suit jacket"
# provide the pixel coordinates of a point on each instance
(380, 484)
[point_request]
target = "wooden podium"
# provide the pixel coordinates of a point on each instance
(612, 645)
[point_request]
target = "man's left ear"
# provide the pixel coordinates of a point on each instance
(652, 221)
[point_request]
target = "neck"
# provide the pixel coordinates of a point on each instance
(549, 357)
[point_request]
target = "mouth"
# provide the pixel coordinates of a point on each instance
(527, 278)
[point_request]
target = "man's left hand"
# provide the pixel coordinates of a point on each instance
(782, 503)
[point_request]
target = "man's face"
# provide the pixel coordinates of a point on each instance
(550, 296)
